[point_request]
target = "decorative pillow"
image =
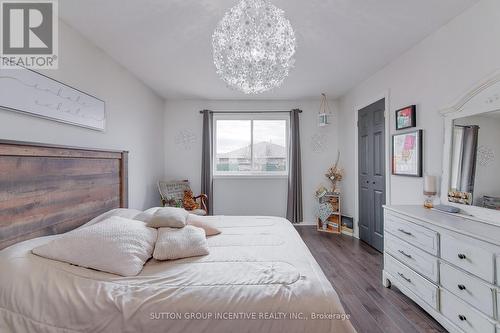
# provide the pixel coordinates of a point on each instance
(127, 213)
(153, 210)
(144, 217)
(172, 217)
(204, 222)
(117, 245)
(177, 243)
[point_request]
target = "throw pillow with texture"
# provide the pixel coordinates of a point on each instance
(171, 217)
(175, 243)
(116, 245)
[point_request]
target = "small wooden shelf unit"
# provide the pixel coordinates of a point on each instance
(334, 224)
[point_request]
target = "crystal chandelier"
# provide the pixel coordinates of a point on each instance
(253, 46)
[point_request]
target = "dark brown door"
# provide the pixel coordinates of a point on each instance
(371, 177)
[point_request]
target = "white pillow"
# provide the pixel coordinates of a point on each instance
(144, 217)
(152, 210)
(127, 213)
(116, 245)
(172, 217)
(174, 243)
(204, 222)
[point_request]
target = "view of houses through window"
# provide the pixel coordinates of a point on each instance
(251, 146)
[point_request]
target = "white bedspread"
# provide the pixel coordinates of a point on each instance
(259, 277)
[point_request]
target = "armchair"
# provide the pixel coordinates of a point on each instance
(172, 193)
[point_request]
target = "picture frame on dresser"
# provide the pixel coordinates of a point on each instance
(483, 97)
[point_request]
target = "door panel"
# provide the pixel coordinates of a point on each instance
(364, 228)
(378, 114)
(378, 156)
(371, 177)
(364, 158)
(378, 228)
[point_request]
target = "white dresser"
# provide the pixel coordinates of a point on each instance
(447, 264)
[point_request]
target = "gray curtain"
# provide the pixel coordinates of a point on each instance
(206, 159)
(294, 202)
(469, 154)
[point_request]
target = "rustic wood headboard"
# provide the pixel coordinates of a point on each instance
(49, 189)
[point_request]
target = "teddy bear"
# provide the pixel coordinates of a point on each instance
(188, 201)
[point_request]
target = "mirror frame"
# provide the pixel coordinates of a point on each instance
(484, 97)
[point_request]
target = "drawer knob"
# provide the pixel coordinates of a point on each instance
(404, 277)
(461, 256)
(462, 317)
(461, 287)
(405, 232)
(405, 254)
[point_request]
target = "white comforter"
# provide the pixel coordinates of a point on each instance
(259, 277)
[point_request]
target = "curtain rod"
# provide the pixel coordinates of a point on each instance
(249, 111)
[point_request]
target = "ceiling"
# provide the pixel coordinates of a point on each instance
(167, 43)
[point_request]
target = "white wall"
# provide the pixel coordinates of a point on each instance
(258, 196)
(432, 75)
(134, 115)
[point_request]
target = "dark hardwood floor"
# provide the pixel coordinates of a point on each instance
(355, 271)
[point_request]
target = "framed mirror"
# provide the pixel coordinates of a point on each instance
(474, 170)
(471, 164)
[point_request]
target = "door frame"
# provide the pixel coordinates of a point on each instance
(384, 95)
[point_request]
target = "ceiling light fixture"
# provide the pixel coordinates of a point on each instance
(253, 46)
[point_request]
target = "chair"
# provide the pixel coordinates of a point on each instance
(172, 194)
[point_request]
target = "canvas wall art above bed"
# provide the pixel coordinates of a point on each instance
(23, 90)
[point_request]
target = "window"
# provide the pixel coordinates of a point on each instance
(251, 144)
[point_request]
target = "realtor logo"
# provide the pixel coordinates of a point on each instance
(29, 34)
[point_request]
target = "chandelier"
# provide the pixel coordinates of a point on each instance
(253, 46)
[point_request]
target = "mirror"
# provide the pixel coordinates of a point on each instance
(475, 161)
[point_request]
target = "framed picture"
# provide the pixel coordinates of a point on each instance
(406, 117)
(26, 91)
(407, 154)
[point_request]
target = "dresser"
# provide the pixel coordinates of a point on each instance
(447, 264)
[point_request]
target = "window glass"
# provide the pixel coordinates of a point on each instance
(269, 145)
(251, 146)
(233, 144)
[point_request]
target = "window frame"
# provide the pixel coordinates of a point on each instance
(251, 117)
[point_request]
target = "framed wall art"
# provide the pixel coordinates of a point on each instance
(407, 154)
(406, 117)
(32, 93)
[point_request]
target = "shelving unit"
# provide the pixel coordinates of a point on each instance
(334, 221)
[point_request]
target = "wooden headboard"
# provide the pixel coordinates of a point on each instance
(49, 189)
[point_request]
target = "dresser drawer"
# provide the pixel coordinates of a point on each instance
(463, 315)
(468, 288)
(416, 259)
(421, 237)
(468, 256)
(421, 287)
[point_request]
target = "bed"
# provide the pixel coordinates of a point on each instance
(258, 277)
